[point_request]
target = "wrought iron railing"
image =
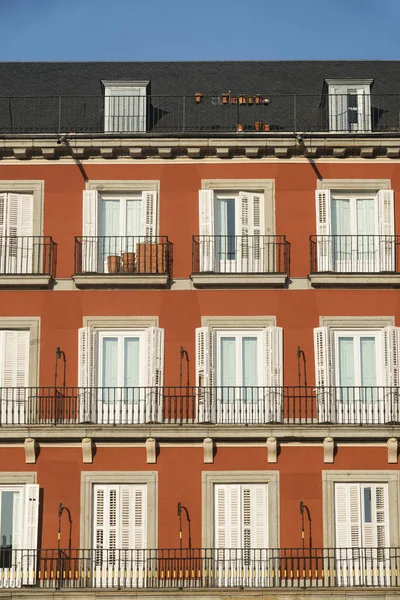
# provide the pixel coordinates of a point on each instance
(241, 254)
(354, 253)
(123, 255)
(289, 405)
(208, 114)
(201, 568)
(28, 255)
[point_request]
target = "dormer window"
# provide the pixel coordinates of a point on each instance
(349, 104)
(125, 106)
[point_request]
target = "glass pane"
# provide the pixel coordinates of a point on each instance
(346, 367)
(249, 368)
(110, 363)
(131, 367)
(8, 503)
(110, 226)
(228, 368)
(133, 223)
(226, 227)
(340, 217)
(368, 367)
(367, 506)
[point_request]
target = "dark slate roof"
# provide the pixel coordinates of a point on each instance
(177, 78)
(68, 97)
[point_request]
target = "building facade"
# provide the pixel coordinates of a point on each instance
(199, 328)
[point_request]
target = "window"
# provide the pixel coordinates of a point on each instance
(120, 225)
(14, 375)
(349, 105)
(355, 231)
(125, 106)
(239, 374)
(19, 510)
(16, 231)
(357, 374)
(121, 374)
(232, 229)
(119, 533)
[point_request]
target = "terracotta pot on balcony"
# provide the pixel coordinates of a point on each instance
(224, 98)
(259, 99)
(266, 127)
(250, 100)
(151, 258)
(198, 97)
(128, 262)
(114, 264)
(233, 99)
(240, 127)
(242, 99)
(259, 126)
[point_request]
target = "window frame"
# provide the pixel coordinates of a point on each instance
(238, 334)
(346, 87)
(34, 187)
(354, 334)
(121, 335)
(31, 324)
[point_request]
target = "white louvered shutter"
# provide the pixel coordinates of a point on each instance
(255, 515)
(347, 515)
(251, 249)
(155, 374)
(273, 373)
(387, 245)
(323, 350)
(391, 372)
(90, 225)
(3, 233)
(99, 529)
(228, 518)
(207, 230)
(149, 216)
(363, 110)
(87, 373)
(380, 517)
(205, 344)
(324, 230)
(19, 229)
(30, 533)
(14, 374)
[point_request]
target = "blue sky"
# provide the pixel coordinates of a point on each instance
(199, 29)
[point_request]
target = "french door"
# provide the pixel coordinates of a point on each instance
(120, 226)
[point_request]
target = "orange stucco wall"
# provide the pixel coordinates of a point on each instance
(58, 468)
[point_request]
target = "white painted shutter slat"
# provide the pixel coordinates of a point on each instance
(324, 230)
(25, 230)
(273, 373)
(250, 257)
(90, 224)
(324, 373)
(258, 516)
(381, 516)
(207, 230)
(391, 371)
(30, 533)
(205, 343)
(87, 372)
(220, 519)
(149, 215)
(342, 516)
(155, 374)
(387, 243)
(3, 232)
(139, 517)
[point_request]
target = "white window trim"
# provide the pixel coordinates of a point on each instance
(29, 186)
(17, 478)
(124, 83)
(90, 478)
(210, 478)
(121, 334)
(240, 322)
(346, 185)
(117, 323)
(125, 186)
(32, 324)
(356, 322)
(329, 478)
(238, 335)
(357, 333)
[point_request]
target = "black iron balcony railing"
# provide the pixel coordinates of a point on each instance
(199, 405)
(236, 254)
(251, 113)
(123, 255)
(354, 253)
(28, 255)
(201, 568)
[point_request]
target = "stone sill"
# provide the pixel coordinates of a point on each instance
(121, 281)
(248, 280)
(355, 280)
(23, 281)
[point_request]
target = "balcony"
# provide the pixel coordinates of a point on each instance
(204, 568)
(27, 261)
(122, 261)
(355, 260)
(196, 406)
(241, 260)
(213, 115)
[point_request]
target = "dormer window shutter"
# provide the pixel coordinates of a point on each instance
(324, 373)
(87, 373)
(207, 230)
(149, 215)
(90, 224)
(273, 373)
(387, 244)
(154, 374)
(205, 344)
(324, 230)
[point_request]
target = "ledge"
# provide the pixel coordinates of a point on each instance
(204, 280)
(22, 281)
(121, 281)
(355, 280)
(198, 432)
